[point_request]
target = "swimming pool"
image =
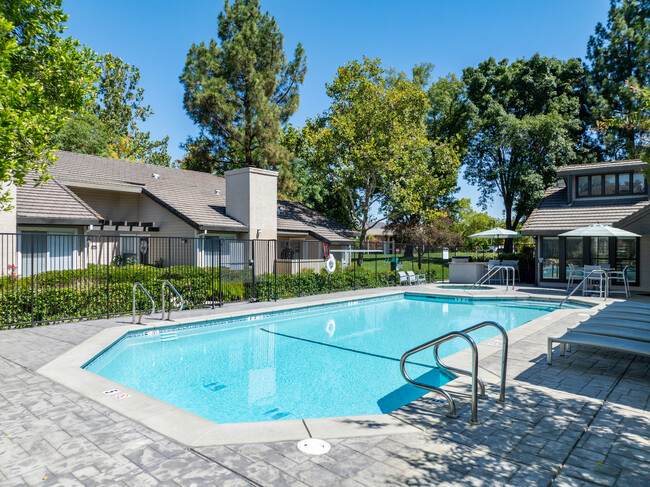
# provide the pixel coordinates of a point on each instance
(326, 361)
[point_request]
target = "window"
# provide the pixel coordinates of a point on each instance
(626, 257)
(610, 184)
(599, 251)
(583, 186)
(574, 252)
(624, 183)
(596, 185)
(638, 183)
(551, 258)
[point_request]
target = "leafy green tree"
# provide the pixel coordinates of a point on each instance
(371, 145)
(466, 221)
(527, 123)
(241, 89)
(110, 127)
(44, 79)
(618, 52)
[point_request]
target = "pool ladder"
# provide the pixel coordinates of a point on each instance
(476, 380)
(153, 304)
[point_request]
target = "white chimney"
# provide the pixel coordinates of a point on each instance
(252, 198)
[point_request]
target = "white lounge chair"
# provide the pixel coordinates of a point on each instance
(613, 331)
(609, 320)
(403, 278)
(416, 278)
(600, 341)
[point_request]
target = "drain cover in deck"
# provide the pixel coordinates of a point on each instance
(314, 446)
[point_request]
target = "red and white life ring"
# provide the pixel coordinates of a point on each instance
(330, 264)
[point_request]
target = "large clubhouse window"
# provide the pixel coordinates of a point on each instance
(551, 257)
(611, 185)
(608, 252)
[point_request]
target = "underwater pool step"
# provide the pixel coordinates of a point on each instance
(167, 336)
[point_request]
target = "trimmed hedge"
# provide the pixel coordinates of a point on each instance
(60, 295)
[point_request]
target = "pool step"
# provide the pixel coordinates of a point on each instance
(276, 413)
(214, 387)
(167, 336)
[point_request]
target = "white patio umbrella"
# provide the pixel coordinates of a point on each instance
(598, 230)
(496, 232)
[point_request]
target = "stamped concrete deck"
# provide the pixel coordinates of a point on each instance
(585, 420)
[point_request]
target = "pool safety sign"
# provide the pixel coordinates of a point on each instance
(445, 253)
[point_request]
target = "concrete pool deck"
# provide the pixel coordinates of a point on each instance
(584, 420)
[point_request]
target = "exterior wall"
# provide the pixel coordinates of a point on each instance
(112, 205)
(252, 198)
(8, 251)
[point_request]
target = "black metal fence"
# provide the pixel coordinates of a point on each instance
(49, 278)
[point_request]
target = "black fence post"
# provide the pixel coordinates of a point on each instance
(108, 278)
(299, 275)
(32, 277)
(220, 272)
(211, 268)
(252, 264)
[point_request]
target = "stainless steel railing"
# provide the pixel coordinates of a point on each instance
(476, 381)
(169, 313)
(603, 276)
(153, 304)
(493, 272)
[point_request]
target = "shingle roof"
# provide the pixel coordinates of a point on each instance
(196, 197)
(51, 203)
(296, 217)
(554, 215)
(601, 167)
(191, 195)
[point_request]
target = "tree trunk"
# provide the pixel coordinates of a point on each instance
(362, 242)
(507, 247)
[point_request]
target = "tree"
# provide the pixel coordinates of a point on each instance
(110, 127)
(241, 89)
(44, 79)
(466, 221)
(419, 234)
(637, 121)
(618, 52)
(527, 123)
(371, 145)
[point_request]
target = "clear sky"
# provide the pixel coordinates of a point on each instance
(155, 35)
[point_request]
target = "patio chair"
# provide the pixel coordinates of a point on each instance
(515, 265)
(617, 276)
(613, 330)
(600, 341)
(573, 274)
(595, 283)
(416, 278)
(403, 278)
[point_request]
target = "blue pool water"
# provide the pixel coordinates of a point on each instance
(327, 361)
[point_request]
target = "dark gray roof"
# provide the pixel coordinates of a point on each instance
(53, 204)
(296, 217)
(191, 195)
(554, 215)
(601, 167)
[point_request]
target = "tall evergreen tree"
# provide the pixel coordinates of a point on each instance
(240, 91)
(620, 52)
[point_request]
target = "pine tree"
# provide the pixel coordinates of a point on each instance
(241, 90)
(620, 52)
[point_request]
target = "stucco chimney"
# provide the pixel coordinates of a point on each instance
(252, 198)
(8, 244)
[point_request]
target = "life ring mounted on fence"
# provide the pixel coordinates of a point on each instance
(330, 264)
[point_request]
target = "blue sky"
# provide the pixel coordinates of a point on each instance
(156, 35)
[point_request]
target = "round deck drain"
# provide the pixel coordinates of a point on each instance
(314, 446)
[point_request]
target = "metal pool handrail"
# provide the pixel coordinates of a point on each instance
(153, 304)
(493, 271)
(504, 359)
(450, 400)
(595, 271)
(169, 313)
